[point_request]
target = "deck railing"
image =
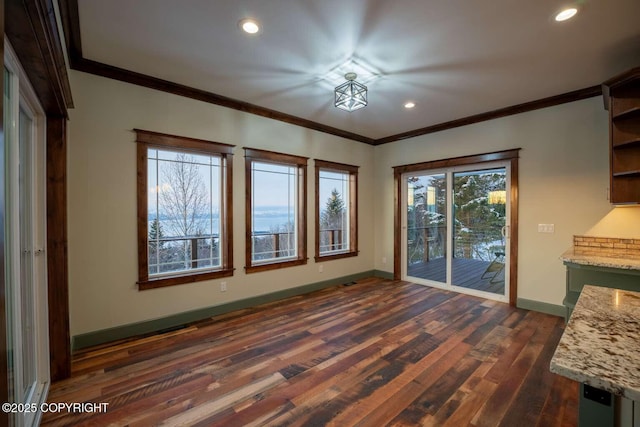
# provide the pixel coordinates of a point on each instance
(476, 243)
(270, 244)
(424, 238)
(331, 240)
(279, 244)
(190, 250)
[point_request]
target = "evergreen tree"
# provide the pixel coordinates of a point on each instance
(426, 218)
(332, 219)
(477, 222)
(334, 210)
(155, 235)
(156, 246)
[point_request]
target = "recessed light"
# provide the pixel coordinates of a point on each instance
(409, 105)
(249, 26)
(565, 14)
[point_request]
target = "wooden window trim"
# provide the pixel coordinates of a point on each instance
(457, 161)
(506, 155)
(148, 139)
(300, 162)
(353, 208)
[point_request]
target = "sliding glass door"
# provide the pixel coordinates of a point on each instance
(426, 241)
(456, 229)
(479, 230)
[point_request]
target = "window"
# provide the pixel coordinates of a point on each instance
(276, 210)
(336, 210)
(184, 210)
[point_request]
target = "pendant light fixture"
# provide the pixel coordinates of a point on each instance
(351, 95)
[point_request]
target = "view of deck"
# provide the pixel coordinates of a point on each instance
(467, 273)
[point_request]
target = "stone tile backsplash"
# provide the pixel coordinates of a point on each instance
(606, 247)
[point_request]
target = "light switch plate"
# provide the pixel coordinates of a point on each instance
(546, 228)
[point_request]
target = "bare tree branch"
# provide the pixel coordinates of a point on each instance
(184, 200)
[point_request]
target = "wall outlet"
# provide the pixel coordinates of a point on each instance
(546, 228)
(384, 259)
(223, 286)
(320, 268)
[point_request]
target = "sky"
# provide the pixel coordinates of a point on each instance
(273, 184)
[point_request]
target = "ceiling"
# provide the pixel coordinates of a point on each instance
(453, 58)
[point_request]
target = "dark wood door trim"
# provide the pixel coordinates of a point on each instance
(33, 32)
(507, 155)
(513, 230)
(32, 29)
(58, 276)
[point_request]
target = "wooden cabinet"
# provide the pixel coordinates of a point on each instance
(622, 99)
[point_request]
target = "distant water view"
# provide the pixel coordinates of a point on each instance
(266, 218)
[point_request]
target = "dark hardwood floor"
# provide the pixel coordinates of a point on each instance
(376, 353)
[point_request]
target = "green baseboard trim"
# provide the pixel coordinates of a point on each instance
(177, 320)
(383, 274)
(542, 307)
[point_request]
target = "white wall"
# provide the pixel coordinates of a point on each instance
(623, 221)
(102, 200)
(563, 181)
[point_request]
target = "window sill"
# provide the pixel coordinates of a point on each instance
(340, 255)
(162, 282)
(274, 265)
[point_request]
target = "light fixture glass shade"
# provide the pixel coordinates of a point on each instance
(351, 95)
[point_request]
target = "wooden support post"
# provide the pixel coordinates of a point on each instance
(425, 239)
(194, 252)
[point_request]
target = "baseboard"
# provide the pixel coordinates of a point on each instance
(383, 274)
(542, 307)
(177, 320)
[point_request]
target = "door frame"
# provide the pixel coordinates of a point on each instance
(34, 28)
(449, 174)
(510, 156)
(24, 99)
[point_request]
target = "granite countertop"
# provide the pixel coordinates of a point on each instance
(601, 261)
(601, 343)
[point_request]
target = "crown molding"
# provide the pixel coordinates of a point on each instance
(71, 22)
